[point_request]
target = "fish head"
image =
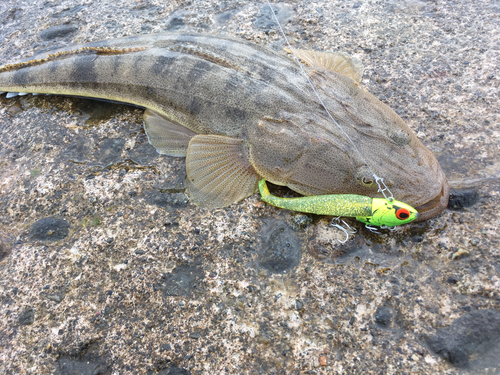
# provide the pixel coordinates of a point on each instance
(314, 154)
(383, 145)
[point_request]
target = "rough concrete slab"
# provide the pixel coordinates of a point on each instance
(144, 282)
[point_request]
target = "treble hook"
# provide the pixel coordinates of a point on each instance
(392, 229)
(374, 229)
(336, 223)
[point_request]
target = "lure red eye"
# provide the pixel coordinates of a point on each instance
(402, 214)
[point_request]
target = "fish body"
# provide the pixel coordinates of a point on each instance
(240, 112)
(371, 211)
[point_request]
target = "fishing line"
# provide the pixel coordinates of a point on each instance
(382, 187)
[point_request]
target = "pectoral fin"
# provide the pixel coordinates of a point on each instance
(219, 172)
(337, 62)
(166, 136)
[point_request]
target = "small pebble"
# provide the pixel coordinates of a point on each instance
(322, 360)
(194, 335)
(460, 252)
(475, 241)
(14, 110)
(120, 267)
(302, 220)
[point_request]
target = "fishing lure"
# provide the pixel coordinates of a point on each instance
(371, 211)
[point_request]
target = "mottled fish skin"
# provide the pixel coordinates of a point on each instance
(223, 86)
(212, 85)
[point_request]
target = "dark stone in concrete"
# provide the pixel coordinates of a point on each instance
(383, 316)
(56, 297)
(70, 366)
(50, 229)
(83, 360)
(174, 370)
(3, 251)
(462, 198)
(60, 31)
(26, 317)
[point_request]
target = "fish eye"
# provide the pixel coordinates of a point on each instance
(364, 177)
(402, 213)
(367, 181)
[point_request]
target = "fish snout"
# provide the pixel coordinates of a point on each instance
(438, 203)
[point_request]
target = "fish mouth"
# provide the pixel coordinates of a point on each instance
(434, 206)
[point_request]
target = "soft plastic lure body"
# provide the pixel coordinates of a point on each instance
(371, 211)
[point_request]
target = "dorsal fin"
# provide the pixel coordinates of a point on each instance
(337, 62)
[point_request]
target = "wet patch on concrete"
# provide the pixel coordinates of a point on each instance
(80, 151)
(142, 151)
(265, 20)
(109, 151)
(181, 281)
(468, 338)
(280, 250)
(83, 361)
(94, 112)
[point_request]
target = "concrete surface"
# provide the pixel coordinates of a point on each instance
(105, 268)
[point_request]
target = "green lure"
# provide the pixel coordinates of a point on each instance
(371, 211)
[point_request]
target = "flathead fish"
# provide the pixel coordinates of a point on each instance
(240, 112)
